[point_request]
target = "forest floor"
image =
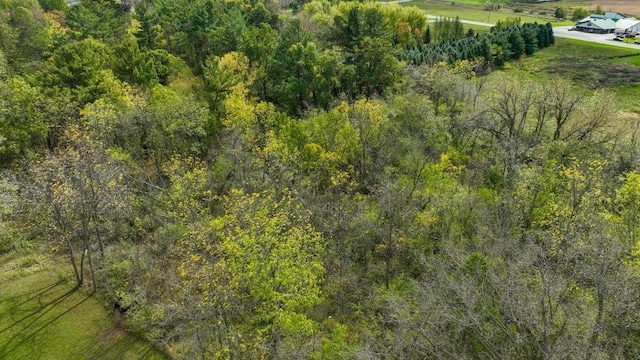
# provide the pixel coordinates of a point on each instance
(43, 316)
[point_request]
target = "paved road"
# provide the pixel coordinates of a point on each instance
(558, 31)
(563, 32)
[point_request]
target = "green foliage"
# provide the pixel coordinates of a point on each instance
(377, 70)
(508, 23)
(21, 35)
(496, 48)
(353, 21)
(599, 10)
(86, 201)
(579, 13)
(516, 45)
(258, 43)
(445, 29)
(51, 5)
(628, 201)
(167, 123)
(22, 124)
(140, 66)
(348, 182)
(83, 68)
(4, 67)
(103, 20)
(261, 259)
(223, 75)
(8, 209)
(275, 257)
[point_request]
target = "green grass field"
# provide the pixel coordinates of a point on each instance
(528, 12)
(471, 2)
(592, 66)
(633, 60)
(475, 13)
(42, 316)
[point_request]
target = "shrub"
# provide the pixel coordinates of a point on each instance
(579, 13)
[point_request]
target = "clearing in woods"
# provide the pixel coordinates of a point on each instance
(43, 316)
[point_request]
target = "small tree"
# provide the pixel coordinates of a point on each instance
(579, 13)
(599, 10)
(79, 201)
(560, 13)
(427, 35)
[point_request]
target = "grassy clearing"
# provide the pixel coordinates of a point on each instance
(470, 2)
(42, 316)
(474, 12)
(476, 28)
(592, 66)
(627, 7)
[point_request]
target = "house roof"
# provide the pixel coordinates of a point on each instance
(613, 15)
(608, 15)
(624, 24)
(604, 24)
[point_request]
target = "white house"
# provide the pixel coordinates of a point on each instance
(596, 25)
(628, 25)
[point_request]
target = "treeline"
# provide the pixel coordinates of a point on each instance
(249, 184)
(496, 48)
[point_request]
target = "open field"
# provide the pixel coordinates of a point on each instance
(472, 2)
(471, 12)
(42, 316)
(627, 7)
(530, 12)
(592, 66)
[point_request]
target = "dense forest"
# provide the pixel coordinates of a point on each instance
(344, 181)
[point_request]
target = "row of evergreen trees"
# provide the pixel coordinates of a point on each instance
(496, 47)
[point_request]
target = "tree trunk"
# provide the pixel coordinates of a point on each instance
(77, 274)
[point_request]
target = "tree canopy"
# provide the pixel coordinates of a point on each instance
(342, 182)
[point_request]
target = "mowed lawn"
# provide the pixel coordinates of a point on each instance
(42, 316)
